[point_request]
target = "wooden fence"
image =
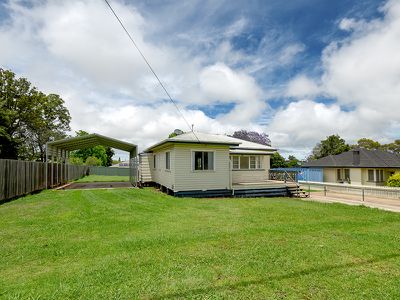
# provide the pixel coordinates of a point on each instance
(19, 177)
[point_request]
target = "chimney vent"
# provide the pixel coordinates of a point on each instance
(356, 157)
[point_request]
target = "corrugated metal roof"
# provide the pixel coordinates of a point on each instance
(90, 140)
(247, 151)
(208, 138)
(367, 159)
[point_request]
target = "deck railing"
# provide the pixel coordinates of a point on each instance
(282, 175)
(362, 191)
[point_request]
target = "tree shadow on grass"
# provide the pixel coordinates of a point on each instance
(265, 280)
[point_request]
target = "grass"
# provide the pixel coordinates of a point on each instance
(129, 244)
(102, 178)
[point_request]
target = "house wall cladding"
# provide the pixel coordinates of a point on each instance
(187, 179)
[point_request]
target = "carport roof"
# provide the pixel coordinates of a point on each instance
(91, 140)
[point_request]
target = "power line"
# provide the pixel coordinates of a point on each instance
(151, 69)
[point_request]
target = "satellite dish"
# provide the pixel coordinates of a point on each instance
(178, 131)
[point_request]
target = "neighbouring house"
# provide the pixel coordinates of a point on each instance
(121, 164)
(204, 164)
(358, 166)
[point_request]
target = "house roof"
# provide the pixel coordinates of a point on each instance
(367, 159)
(215, 139)
(87, 141)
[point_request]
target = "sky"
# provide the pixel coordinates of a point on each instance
(297, 70)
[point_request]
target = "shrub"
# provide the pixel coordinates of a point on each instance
(75, 160)
(93, 161)
(394, 180)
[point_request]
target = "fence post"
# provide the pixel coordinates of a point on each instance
(362, 190)
(324, 190)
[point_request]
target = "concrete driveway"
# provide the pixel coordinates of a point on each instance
(374, 202)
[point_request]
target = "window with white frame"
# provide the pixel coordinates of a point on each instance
(346, 174)
(235, 162)
(203, 160)
(246, 162)
(378, 175)
(167, 160)
(339, 174)
(371, 175)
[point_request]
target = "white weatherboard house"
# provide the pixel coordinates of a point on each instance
(201, 164)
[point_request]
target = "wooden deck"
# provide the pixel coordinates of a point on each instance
(262, 185)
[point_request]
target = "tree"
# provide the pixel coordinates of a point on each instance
(394, 180)
(293, 162)
(110, 153)
(367, 144)
(28, 118)
(253, 136)
(104, 154)
(392, 147)
(332, 145)
(93, 161)
(278, 161)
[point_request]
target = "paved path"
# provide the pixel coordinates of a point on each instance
(375, 202)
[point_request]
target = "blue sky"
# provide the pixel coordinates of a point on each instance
(297, 70)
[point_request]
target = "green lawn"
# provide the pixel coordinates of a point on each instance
(129, 244)
(103, 178)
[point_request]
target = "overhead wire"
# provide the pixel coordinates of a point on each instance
(151, 69)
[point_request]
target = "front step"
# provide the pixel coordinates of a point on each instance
(297, 192)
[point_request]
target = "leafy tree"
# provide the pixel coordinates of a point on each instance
(332, 145)
(393, 147)
(75, 161)
(28, 118)
(394, 180)
(367, 144)
(293, 162)
(253, 136)
(278, 161)
(93, 161)
(104, 154)
(110, 153)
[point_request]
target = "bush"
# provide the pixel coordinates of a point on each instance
(93, 161)
(394, 180)
(75, 161)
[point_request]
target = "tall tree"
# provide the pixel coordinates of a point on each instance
(278, 161)
(367, 144)
(332, 145)
(28, 118)
(392, 147)
(102, 154)
(293, 162)
(253, 136)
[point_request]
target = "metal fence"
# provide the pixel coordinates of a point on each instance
(18, 177)
(107, 171)
(360, 191)
(306, 174)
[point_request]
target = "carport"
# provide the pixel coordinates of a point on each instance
(59, 151)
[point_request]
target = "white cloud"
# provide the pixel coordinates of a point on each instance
(302, 86)
(362, 73)
(77, 49)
